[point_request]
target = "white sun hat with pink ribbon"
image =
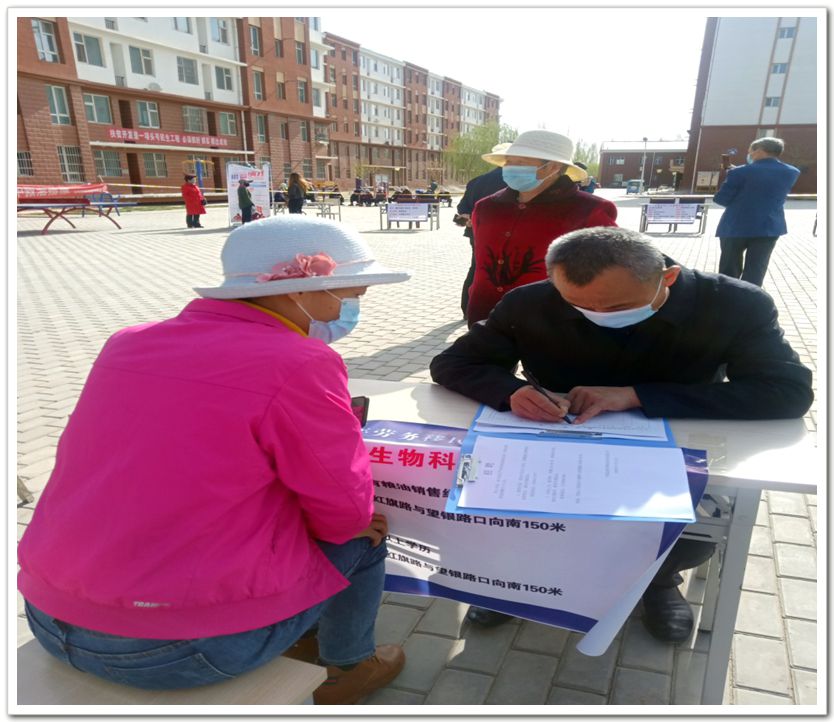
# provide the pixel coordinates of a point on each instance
(286, 254)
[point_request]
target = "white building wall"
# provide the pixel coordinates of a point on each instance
(799, 102)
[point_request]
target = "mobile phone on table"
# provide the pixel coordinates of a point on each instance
(359, 406)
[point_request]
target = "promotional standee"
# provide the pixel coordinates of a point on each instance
(581, 574)
(259, 187)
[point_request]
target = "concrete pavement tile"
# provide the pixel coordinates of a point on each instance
(793, 560)
(536, 637)
(802, 643)
(759, 614)
(760, 664)
(812, 517)
(565, 695)
(389, 695)
(749, 696)
(444, 617)
(760, 575)
(394, 623)
(483, 650)
(426, 657)
(410, 600)
(589, 673)
(762, 513)
(690, 668)
(761, 542)
(799, 598)
(457, 687)
(525, 678)
(632, 686)
(783, 502)
(805, 686)
(24, 634)
(791, 529)
(642, 651)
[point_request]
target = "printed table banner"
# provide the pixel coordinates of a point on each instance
(62, 192)
(581, 574)
(259, 179)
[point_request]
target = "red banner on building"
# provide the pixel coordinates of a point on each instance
(163, 137)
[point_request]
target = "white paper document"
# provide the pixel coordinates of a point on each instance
(565, 477)
(614, 424)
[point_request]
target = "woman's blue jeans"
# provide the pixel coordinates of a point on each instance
(345, 634)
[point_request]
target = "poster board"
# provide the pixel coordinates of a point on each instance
(408, 211)
(676, 213)
(259, 179)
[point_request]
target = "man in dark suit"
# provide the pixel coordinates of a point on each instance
(479, 187)
(620, 326)
(754, 196)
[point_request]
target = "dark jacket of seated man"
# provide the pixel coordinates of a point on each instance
(675, 360)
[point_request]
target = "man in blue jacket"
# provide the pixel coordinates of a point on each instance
(754, 196)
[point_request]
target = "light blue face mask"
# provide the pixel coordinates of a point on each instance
(749, 159)
(521, 177)
(621, 319)
(332, 331)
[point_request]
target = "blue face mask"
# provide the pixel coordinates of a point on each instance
(332, 331)
(749, 159)
(521, 177)
(621, 319)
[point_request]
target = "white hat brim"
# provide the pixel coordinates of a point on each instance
(521, 151)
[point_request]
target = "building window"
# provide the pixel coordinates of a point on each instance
(141, 61)
(155, 165)
(193, 119)
(305, 130)
(279, 48)
(148, 113)
(97, 108)
(285, 130)
(58, 108)
(779, 68)
(111, 24)
(187, 70)
(314, 58)
(44, 32)
(287, 170)
(678, 160)
(787, 32)
(355, 105)
(260, 127)
(258, 85)
(334, 100)
(223, 78)
(255, 39)
(616, 160)
(24, 163)
(220, 30)
(182, 24)
(765, 133)
(280, 90)
(88, 49)
(300, 53)
(107, 163)
(316, 97)
(307, 168)
(228, 124)
(772, 101)
(72, 169)
(302, 91)
(321, 169)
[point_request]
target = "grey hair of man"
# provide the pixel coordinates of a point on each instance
(771, 146)
(582, 255)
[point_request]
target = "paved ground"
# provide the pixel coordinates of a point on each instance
(77, 287)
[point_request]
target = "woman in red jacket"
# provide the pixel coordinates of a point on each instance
(513, 228)
(195, 202)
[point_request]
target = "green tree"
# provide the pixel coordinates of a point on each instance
(589, 155)
(462, 157)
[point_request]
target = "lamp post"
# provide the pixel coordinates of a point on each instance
(643, 166)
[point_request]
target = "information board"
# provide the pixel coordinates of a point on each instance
(408, 211)
(671, 213)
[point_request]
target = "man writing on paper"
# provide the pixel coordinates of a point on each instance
(619, 326)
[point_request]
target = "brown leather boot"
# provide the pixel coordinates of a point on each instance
(348, 687)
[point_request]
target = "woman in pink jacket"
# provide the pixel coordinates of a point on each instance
(211, 505)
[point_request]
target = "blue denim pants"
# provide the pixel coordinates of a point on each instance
(345, 634)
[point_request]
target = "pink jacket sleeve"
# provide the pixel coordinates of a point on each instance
(317, 447)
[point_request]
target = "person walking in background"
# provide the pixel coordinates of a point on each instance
(195, 202)
(479, 187)
(754, 198)
(296, 193)
(514, 227)
(589, 185)
(244, 200)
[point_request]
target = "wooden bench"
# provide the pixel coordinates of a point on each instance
(44, 680)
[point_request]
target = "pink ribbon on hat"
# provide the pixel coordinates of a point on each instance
(302, 267)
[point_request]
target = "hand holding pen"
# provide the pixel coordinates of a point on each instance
(527, 403)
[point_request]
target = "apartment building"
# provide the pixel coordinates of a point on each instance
(138, 101)
(757, 77)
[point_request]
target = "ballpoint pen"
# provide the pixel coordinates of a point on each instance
(536, 385)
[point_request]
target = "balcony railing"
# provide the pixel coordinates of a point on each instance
(121, 80)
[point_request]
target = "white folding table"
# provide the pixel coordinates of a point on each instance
(745, 458)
